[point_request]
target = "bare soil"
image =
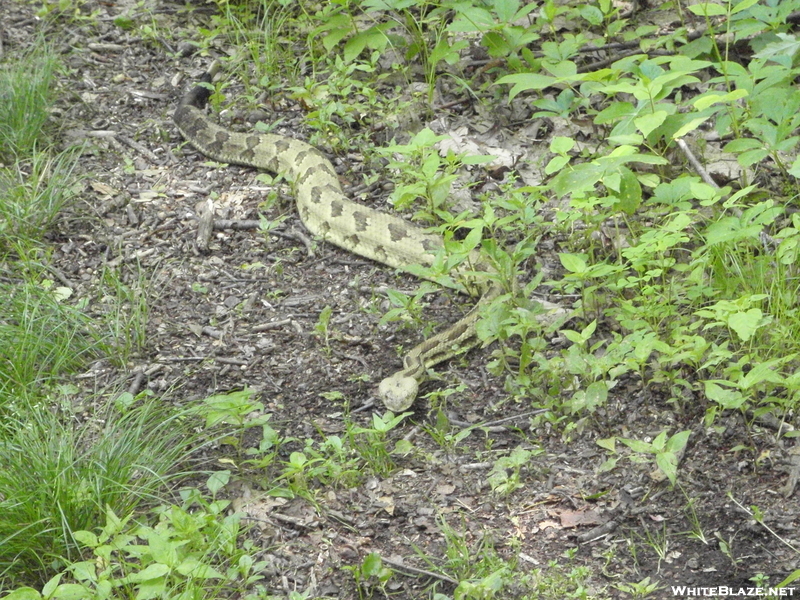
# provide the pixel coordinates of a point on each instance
(215, 326)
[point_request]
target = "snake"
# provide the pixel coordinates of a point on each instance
(330, 215)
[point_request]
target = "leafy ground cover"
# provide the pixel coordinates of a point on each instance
(185, 418)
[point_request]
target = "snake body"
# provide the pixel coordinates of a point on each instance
(329, 214)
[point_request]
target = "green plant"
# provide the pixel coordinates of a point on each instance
(499, 23)
(336, 103)
(504, 477)
(321, 327)
(408, 309)
(260, 31)
(371, 572)
(372, 445)
(421, 26)
(125, 309)
(26, 88)
(56, 479)
(423, 174)
(697, 527)
(639, 590)
(41, 337)
(330, 463)
(666, 451)
(33, 191)
(239, 410)
(185, 554)
(726, 547)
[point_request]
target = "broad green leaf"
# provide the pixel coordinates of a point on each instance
(192, 567)
(794, 170)
(764, 371)
(217, 481)
(404, 447)
(742, 144)
(660, 441)
(743, 5)
(725, 397)
(477, 159)
(150, 572)
(596, 395)
(523, 82)
(630, 192)
(615, 112)
(372, 564)
(708, 9)
(51, 585)
(152, 588)
(730, 229)
(751, 157)
(556, 164)
(338, 28)
(608, 465)
(565, 70)
(690, 126)
(633, 139)
(609, 444)
(506, 9)
(591, 13)
(354, 46)
(84, 571)
(678, 441)
(573, 336)
(668, 463)
(87, 538)
(637, 446)
(71, 591)
(572, 262)
(561, 144)
(706, 100)
(787, 48)
(745, 323)
(470, 18)
(25, 593)
(647, 123)
(577, 179)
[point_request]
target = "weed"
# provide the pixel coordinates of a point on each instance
(32, 194)
(504, 478)
(408, 309)
(370, 573)
(125, 309)
(56, 479)
(41, 337)
(238, 410)
(322, 328)
(27, 92)
(639, 590)
(726, 547)
(187, 553)
(666, 451)
(372, 445)
(697, 528)
(423, 174)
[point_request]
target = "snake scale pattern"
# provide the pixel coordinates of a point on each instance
(328, 213)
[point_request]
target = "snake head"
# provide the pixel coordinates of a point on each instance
(398, 392)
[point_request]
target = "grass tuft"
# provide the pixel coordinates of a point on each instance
(32, 194)
(40, 338)
(57, 478)
(26, 94)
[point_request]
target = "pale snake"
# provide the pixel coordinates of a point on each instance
(329, 214)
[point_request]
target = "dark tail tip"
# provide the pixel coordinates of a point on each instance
(199, 94)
